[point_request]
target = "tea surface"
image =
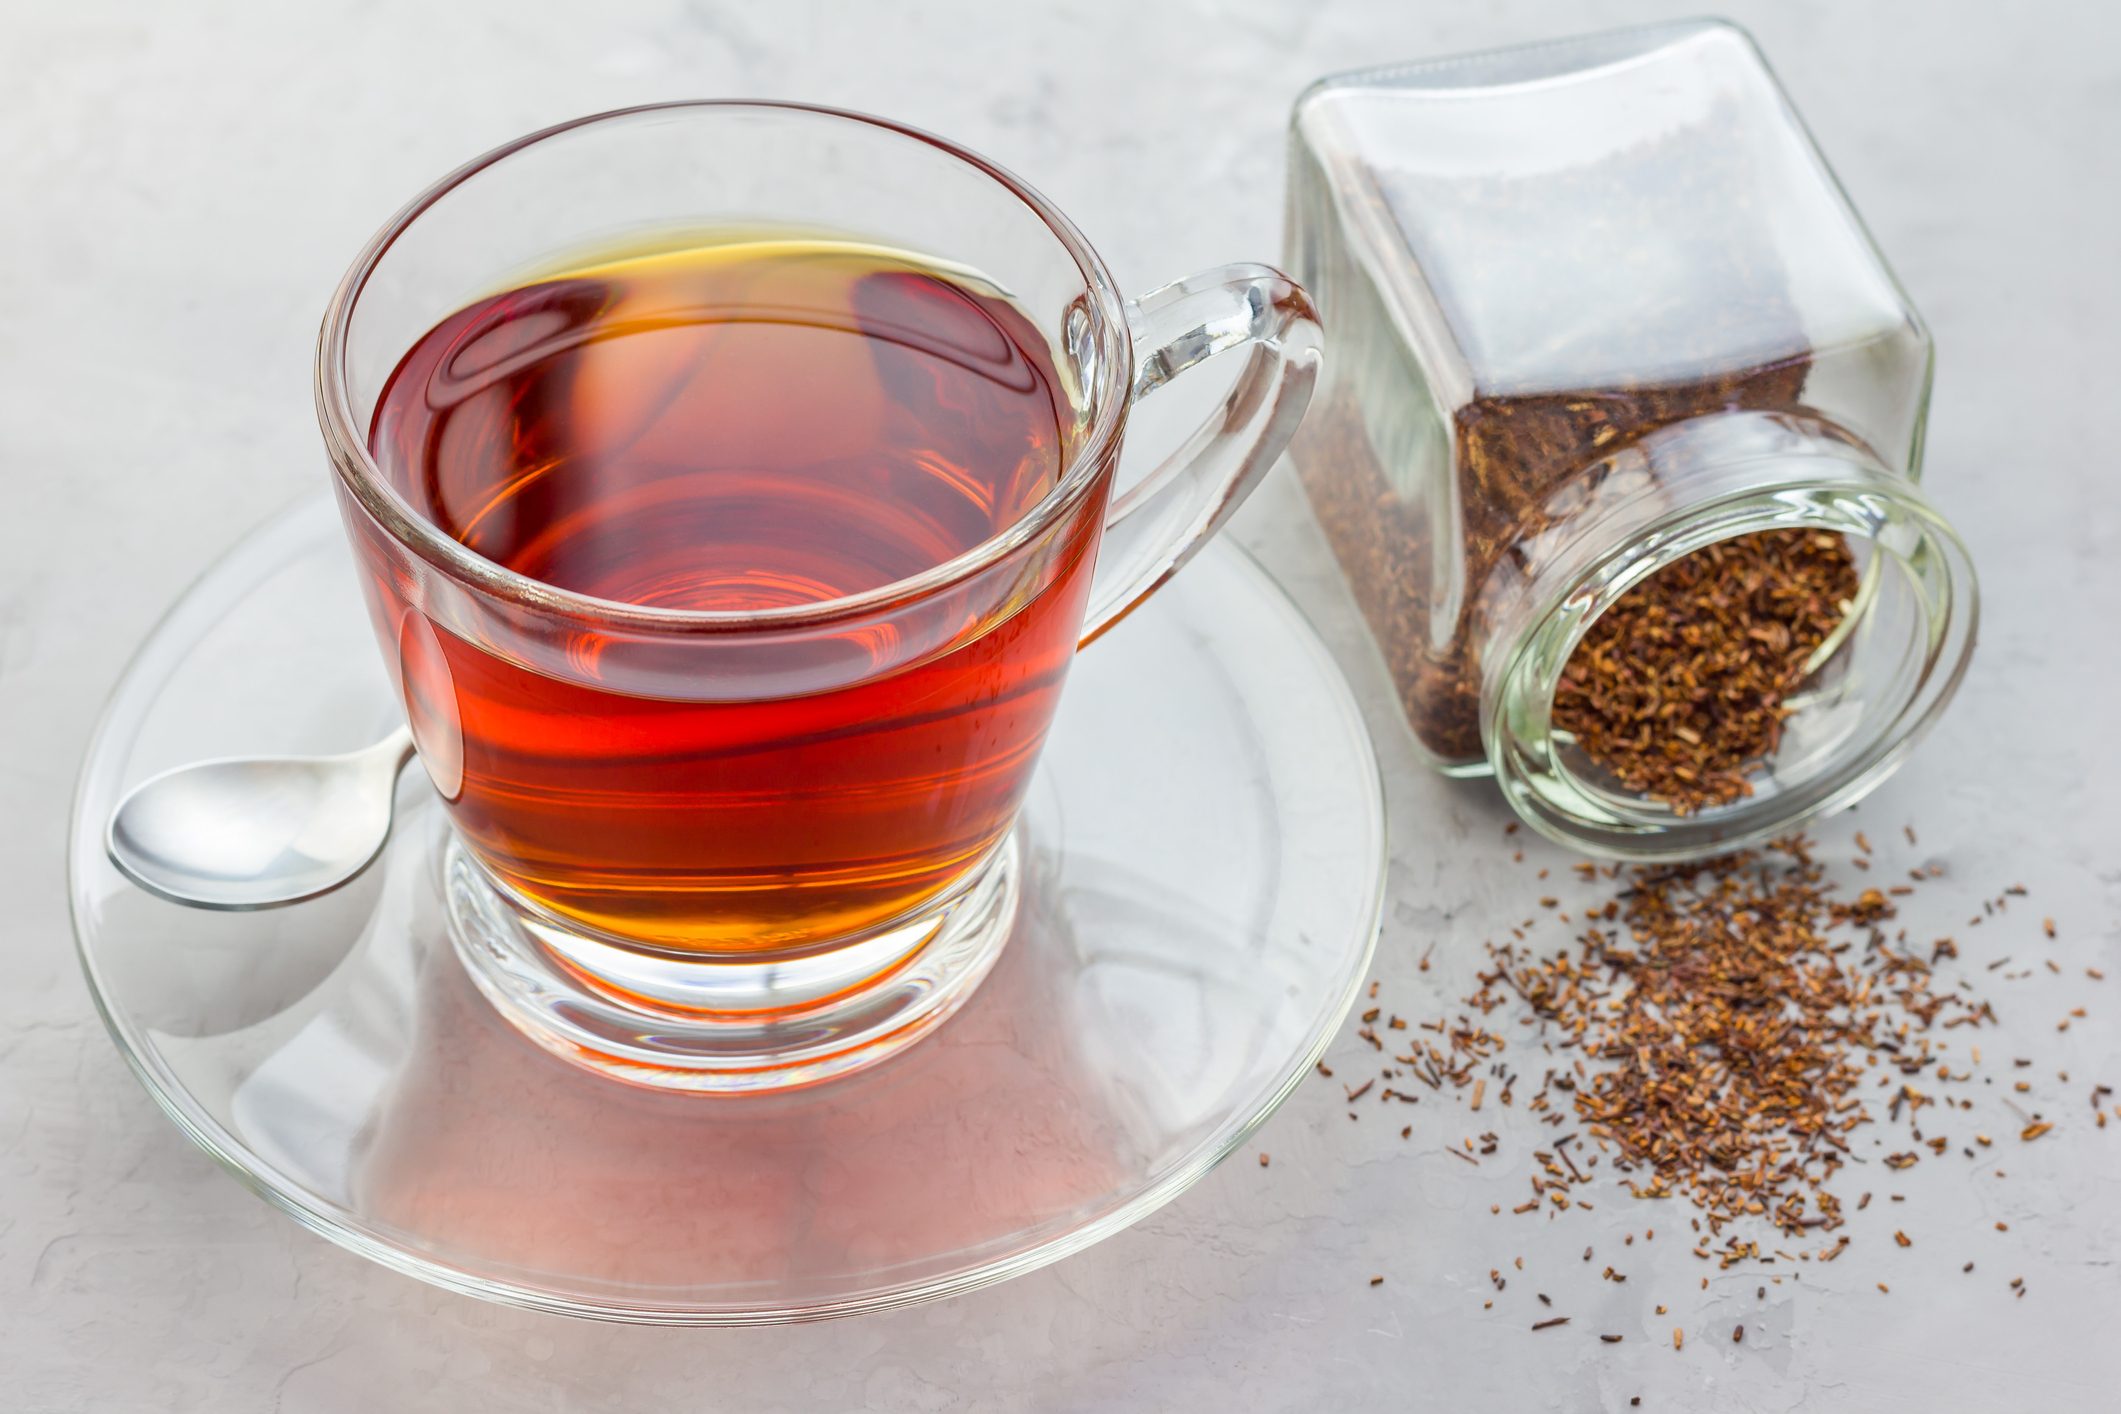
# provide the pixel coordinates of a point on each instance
(728, 427)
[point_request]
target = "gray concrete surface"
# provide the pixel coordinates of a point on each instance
(182, 186)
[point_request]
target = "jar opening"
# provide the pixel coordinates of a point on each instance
(1868, 690)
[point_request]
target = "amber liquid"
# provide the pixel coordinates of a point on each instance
(741, 427)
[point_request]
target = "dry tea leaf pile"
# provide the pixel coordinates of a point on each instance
(1679, 689)
(1726, 1015)
(1736, 1034)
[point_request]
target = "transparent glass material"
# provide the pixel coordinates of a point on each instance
(1180, 958)
(659, 979)
(1593, 305)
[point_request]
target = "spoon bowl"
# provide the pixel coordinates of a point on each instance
(258, 832)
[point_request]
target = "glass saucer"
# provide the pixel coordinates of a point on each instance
(1203, 860)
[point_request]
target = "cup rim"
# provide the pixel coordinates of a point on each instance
(364, 480)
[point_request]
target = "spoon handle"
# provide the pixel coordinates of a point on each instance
(396, 749)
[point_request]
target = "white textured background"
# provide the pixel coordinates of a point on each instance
(180, 186)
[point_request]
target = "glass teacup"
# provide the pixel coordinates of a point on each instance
(733, 744)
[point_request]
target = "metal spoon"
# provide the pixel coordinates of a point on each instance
(256, 833)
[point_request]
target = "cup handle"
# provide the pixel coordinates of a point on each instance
(1156, 525)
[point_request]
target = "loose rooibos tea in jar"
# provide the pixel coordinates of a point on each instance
(1619, 437)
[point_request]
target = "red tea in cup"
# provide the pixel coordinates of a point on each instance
(739, 427)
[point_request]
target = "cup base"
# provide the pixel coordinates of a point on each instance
(728, 1026)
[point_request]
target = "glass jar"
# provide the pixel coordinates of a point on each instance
(1592, 306)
